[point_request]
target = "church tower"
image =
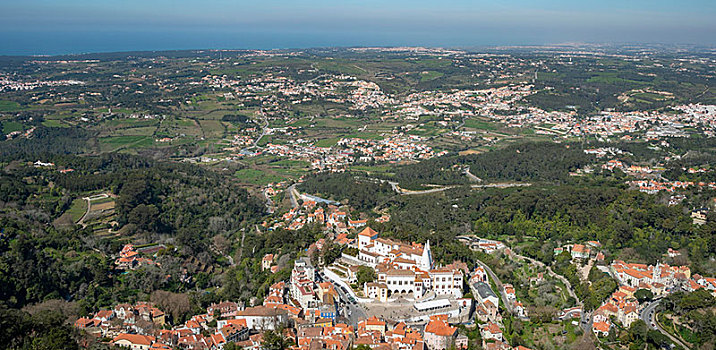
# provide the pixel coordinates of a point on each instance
(426, 261)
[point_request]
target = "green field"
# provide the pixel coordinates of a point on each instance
(10, 126)
(131, 122)
(121, 140)
(9, 106)
(291, 163)
(78, 208)
(129, 141)
(365, 136)
(187, 123)
(329, 142)
(430, 75)
(374, 169)
(54, 123)
(612, 78)
(257, 177)
(479, 124)
(212, 128)
(141, 131)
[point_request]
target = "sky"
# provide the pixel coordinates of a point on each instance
(79, 26)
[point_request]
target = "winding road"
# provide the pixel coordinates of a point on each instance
(649, 313)
(89, 200)
(498, 284)
(353, 312)
(471, 175)
(404, 192)
(564, 280)
(269, 203)
(401, 191)
(263, 132)
(553, 274)
(293, 195)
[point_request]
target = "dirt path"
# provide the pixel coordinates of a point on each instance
(89, 207)
(81, 222)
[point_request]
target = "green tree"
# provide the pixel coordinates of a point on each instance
(274, 340)
(231, 346)
(637, 331)
(643, 295)
(365, 275)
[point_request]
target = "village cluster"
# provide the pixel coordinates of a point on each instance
(491, 102)
(393, 148)
(8, 84)
(360, 94)
(306, 309)
(330, 216)
(659, 279)
(454, 107)
(654, 124)
(321, 309)
(649, 179)
(411, 303)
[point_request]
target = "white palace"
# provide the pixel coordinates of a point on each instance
(404, 268)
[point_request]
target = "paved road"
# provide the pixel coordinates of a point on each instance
(89, 200)
(471, 176)
(81, 221)
(649, 313)
(241, 248)
(586, 321)
(269, 203)
(353, 312)
(264, 130)
(503, 185)
(401, 191)
(440, 189)
(263, 133)
(293, 195)
(498, 284)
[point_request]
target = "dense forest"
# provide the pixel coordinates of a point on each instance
(556, 209)
(44, 142)
(196, 213)
(633, 225)
(204, 218)
(359, 192)
(535, 161)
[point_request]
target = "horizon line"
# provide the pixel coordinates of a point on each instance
(466, 48)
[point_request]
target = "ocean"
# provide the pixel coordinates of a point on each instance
(78, 42)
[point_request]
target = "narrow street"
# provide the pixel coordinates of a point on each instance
(471, 176)
(553, 274)
(293, 195)
(264, 130)
(648, 315)
(353, 312)
(498, 284)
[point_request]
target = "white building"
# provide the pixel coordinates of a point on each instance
(302, 288)
(263, 318)
(406, 268)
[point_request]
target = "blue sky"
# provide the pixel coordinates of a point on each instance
(69, 26)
